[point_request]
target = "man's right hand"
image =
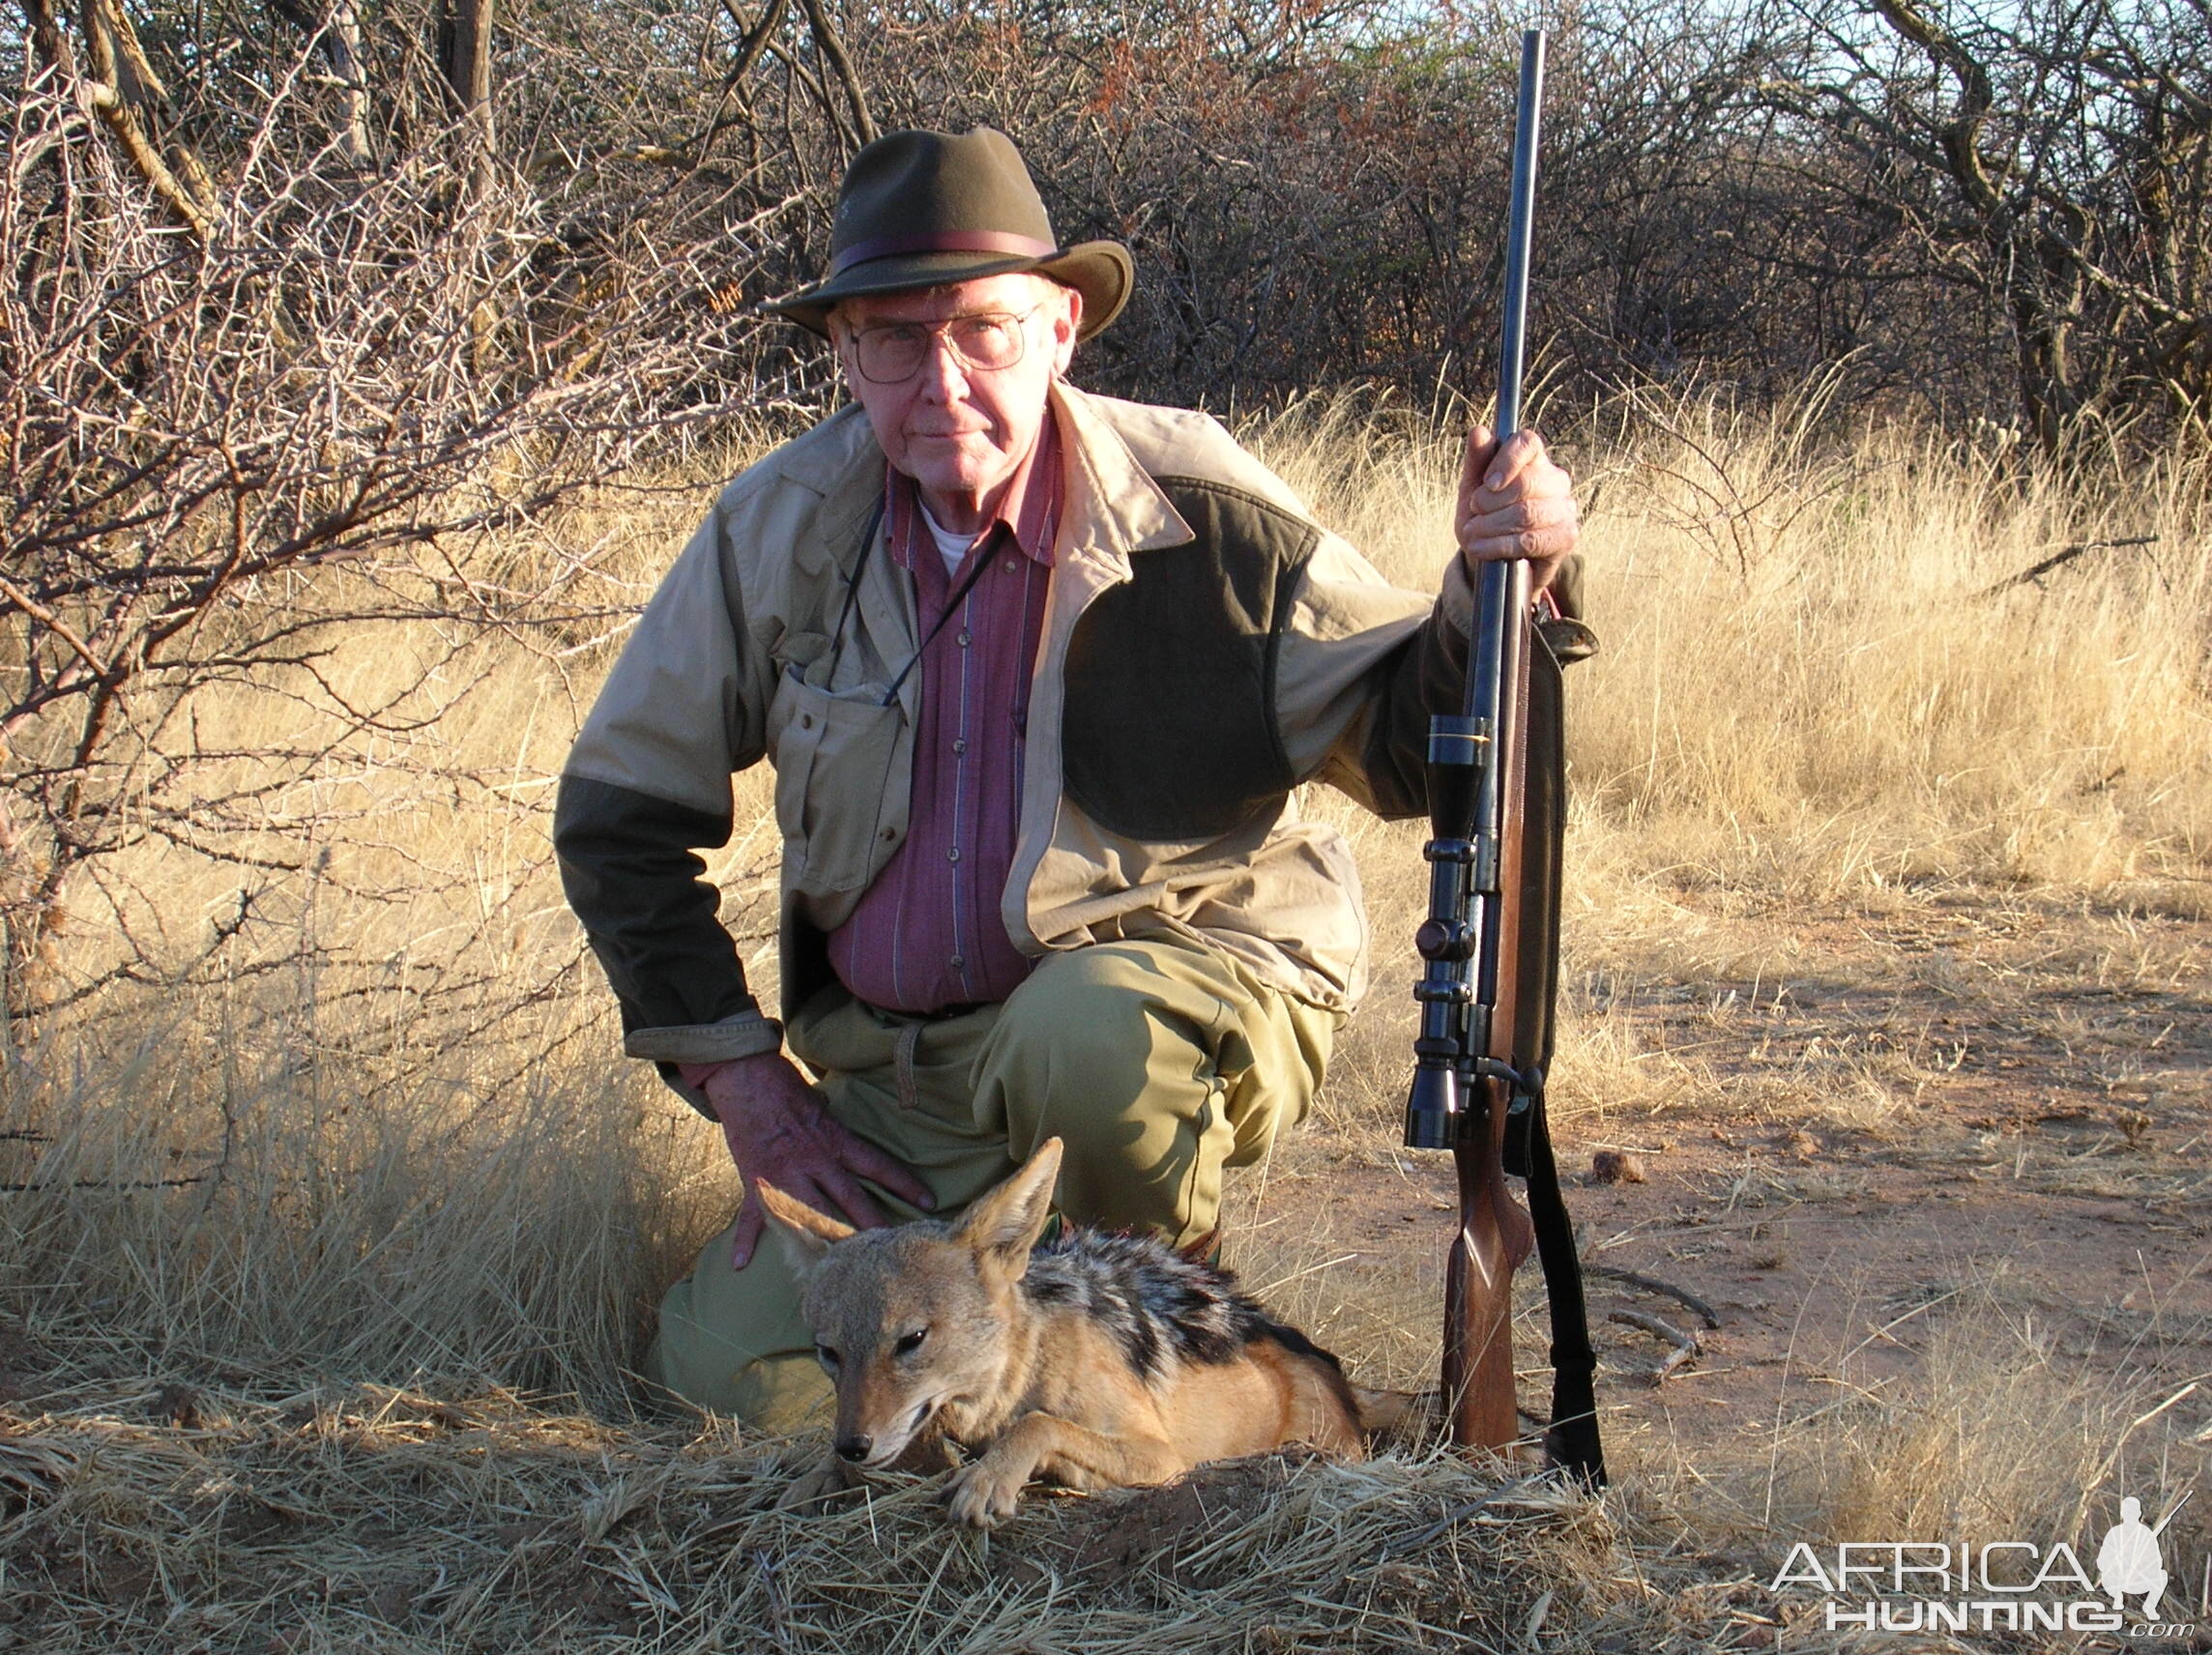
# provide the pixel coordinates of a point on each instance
(778, 1128)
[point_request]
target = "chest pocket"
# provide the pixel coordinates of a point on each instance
(834, 752)
(1170, 732)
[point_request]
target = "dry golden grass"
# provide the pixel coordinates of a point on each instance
(1803, 692)
(389, 1145)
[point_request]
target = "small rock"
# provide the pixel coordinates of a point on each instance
(1615, 1167)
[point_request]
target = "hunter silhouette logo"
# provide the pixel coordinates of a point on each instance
(1996, 1586)
(2129, 1560)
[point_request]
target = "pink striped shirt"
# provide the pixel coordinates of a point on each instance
(929, 932)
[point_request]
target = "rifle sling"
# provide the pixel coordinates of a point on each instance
(1572, 1441)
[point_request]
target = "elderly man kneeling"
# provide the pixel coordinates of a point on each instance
(1039, 673)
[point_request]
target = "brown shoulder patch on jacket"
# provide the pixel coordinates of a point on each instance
(1170, 730)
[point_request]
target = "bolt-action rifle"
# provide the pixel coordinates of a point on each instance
(1497, 809)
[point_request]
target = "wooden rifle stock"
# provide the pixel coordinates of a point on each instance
(1491, 963)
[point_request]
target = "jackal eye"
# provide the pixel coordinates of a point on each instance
(826, 1356)
(910, 1343)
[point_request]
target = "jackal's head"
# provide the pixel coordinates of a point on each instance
(912, 1322)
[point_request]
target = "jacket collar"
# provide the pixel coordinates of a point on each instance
(1113, 505)
(839, 461)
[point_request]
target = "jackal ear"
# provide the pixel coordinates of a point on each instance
(1003, 1225)
(806, 1235)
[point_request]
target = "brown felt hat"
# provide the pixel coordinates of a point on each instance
(920, 210)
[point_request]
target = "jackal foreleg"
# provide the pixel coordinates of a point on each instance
(1045, 1445)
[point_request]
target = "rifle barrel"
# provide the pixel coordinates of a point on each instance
(2171, 1515)
(1520, 221)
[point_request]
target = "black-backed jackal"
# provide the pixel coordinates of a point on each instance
(1097, 1360)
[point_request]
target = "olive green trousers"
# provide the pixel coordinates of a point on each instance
(1158, 1062)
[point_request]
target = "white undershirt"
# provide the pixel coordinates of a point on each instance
(950, 546)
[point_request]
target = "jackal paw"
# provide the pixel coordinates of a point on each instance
(983, 1495)
(813, 1491)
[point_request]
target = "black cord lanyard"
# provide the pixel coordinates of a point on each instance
(982, 562)
(853, 587)
(853, 595)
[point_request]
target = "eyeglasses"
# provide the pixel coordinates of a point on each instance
(892, 353)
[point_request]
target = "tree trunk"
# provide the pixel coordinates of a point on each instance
(464, 60)
(344, 43)
(464, 52)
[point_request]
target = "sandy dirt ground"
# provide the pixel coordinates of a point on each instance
(1862, 1122)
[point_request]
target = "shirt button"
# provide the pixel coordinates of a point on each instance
(956, 962)
(1010, 566)
(960, 743)
(889, 833)
(953, 854)
(964, 639)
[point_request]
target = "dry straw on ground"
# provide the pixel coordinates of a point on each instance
(295, 1250)
(388, 1520)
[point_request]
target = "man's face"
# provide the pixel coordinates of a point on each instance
(959, 431)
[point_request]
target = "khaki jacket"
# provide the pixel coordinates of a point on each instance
(1207, 650)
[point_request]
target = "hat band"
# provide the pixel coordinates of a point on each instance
(944, 241)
